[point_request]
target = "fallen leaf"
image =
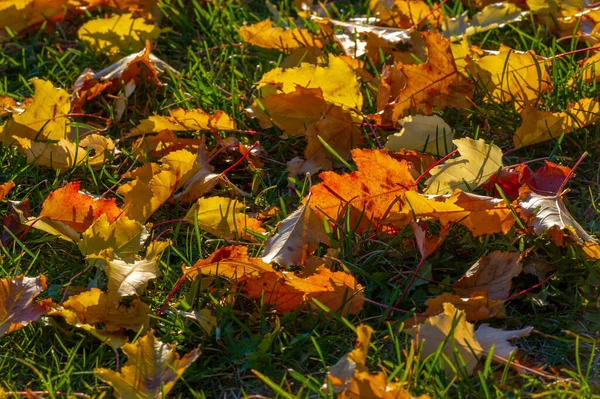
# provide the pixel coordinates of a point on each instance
(164, 143)
(538, 126)
(293, 241)
(422, 133)
(451, 330)
(104, 317)
(368, 195)
(264, 34)
(5, 188)
(481, 215)
(185, 120)
(488, 337)
(118, 34)
(428, 244)
(405, 13)
(476, 307)
(224, 217)
(146, 8)
(151, 370)
(8, 105)
(77, 209)
(492, 16)
(203, 317)
(512, 76)
(19, 15)
(478, 161)
(420, 88)
(17, 302)
(492, 274)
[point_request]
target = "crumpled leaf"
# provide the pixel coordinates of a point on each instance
(104, 317)
(17, 302)
(5, 188)
(119, 34)
(510, 75)
(492, 16)
(373, 192)
(224, 217)
(492, 274)
(154, 184)
(538, 126)
(337, 81)
(44, 118)
(293, 241)
(186, 120)
(476, 307)
(488, 336)
(478, 161)
(417, 89)
(284, 291)
(131, 278)
(264, 34)
(434, 332)
(151, 370)
(481, 215)
(77, 209)
(426, 133)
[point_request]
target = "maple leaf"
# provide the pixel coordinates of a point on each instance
(105, 240)
(337, 81)
(264, 34)
(154, 184)
(146, 8)
(425, 243)
(286, 292)
(369, 194)
(223, 217)
(186, 120)
(476, 307)
(420, 88)
(103, 317)
(151, 370)
(590, 69)
(44, 118)
(19, 15)
(17, 306)
(293, 241)
(434, 332)
(492, 16)
(481, 215)
(492, 274)
(478, 161)
(130, 278)
(422, 133)
(538, 126)
(118, 34)
(306, 112)
(511, 76)
(350, 377)
(77, 209)
(405, 13)
(5, 188)
(120, 79)
(488, 337)
(164, 143)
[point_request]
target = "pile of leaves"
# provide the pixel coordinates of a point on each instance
(368, 113)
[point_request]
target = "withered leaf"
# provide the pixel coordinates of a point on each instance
(17, 302)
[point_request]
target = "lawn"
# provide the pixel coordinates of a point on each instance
(275, 328)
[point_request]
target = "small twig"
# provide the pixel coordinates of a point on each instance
(171, 293)
(444, 159)
(541, 283)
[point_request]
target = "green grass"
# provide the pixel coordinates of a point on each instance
(292, 351)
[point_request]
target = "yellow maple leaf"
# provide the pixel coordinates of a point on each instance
(19, 15)
(185, 120)
(118, 35)
(264, 34)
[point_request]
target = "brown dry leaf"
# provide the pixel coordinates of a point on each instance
(481, 215)
(118, 35)
(151, 371)
(428, 244)
(419, 88)
(104, 317)
(46, 117)
(264, 34)
(285, 291)
(77, 209)
(476, 307)
(154, 184)
(224, 217)
(426, 133)
(434, 332)
(5, 188)
(405, 14)
(17, 306)
(538, 126)
(492, 273)
(370, 194)
(510, 75)
(185, 120)
(478, 161)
